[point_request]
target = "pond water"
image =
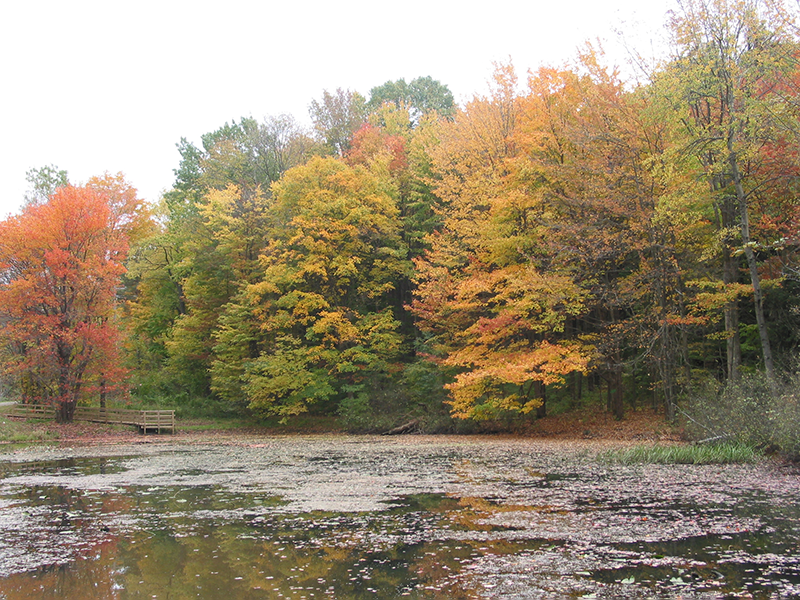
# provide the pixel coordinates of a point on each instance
(365, 517)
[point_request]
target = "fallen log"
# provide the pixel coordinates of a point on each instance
(409, 427)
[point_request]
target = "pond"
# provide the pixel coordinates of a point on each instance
(366, 517)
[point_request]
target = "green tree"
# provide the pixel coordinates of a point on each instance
(43, 183)
(321, 315)
(735, 61)
(336, 117)
(422, 96)
(212, 233)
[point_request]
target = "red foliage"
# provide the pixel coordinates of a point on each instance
(61, 264)
(369, 142)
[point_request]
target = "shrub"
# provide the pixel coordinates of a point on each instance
(749, 411)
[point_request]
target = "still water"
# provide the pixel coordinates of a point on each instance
(413, 517)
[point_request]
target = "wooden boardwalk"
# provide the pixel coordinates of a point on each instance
(146, 420)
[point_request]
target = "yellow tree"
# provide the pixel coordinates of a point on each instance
(593, 154)
(731, 84)
(322, 310)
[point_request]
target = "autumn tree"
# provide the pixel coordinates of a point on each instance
(212, 233)
(61, 263)
(43, 182)
(395, 147)
(318, 324)
(131, 219)
(731, 84)
(421, 96)
(593, 155)
(336, 116)
(496, 318)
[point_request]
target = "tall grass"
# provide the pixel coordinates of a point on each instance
(12, 431)
(705, 454)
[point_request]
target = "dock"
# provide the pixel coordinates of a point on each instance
(158, 421)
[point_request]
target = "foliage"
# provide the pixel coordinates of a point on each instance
(319, 318)
(495, 314)
(336, 116)
(187, 274)
(747, 411)
(421, 96)
(43, 183)
(62, 261)
(566, 237)
(734, 75)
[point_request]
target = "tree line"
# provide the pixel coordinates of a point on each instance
(561, 235)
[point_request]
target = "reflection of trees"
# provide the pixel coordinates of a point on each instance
(177, 554)
(73, 520)
(93, 579)
(281, 556)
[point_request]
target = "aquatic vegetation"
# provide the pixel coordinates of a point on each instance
(685, 454)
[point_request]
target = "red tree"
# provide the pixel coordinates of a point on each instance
(60, 269)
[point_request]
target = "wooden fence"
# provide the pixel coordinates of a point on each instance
(145, 420)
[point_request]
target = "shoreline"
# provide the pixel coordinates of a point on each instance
(579, 427)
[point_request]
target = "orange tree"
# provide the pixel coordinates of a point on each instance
(591, 159)
(61, 263)
(494, 316)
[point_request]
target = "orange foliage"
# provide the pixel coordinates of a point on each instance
(496, 317)
(370, 143)
(62, 262)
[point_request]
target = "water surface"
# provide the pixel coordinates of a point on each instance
(364, 517)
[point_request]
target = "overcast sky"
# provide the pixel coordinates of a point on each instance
(113, 85)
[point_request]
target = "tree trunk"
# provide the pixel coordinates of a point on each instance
(67, 390)
(726, 221)
(617, 406)
(731, 313)
(758, 297)
(65, 411)
(102, 392)
(577, 388)
(541, 392)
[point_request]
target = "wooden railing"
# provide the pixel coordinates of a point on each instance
(145, 420)
(29, 412)
(156, 420)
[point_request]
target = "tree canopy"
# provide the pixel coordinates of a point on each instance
(563, 236)
(62, 261)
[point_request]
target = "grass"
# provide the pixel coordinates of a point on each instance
(709, 454)
(17, 432)
(220, 424)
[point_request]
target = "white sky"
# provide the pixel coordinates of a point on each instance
(112, 85)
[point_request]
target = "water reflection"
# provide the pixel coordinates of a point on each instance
(252, 556)
(492, 519)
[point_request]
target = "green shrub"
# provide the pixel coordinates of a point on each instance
(749, 411)
(356, 414)
(187, 406)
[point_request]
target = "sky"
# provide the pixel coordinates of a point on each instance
(113, 85)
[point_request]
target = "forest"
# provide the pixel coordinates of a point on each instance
(566, 239)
